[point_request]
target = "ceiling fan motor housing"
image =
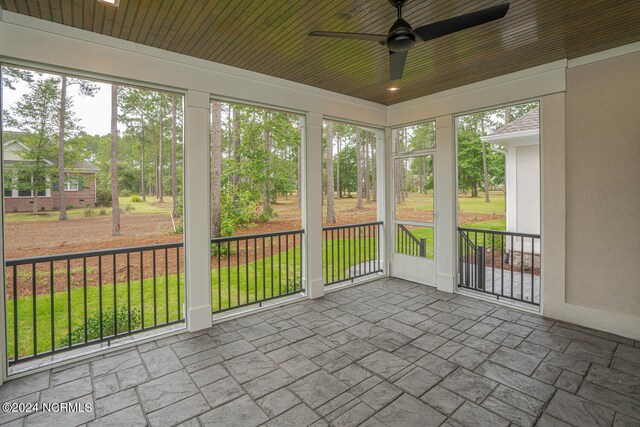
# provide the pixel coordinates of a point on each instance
(401, 37)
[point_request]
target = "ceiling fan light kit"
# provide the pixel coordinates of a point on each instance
(402, 37)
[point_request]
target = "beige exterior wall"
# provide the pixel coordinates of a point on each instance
(603, 185)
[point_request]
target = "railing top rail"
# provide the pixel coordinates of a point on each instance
(410, 234)
(91, 254)
(255, 236)
(362, 224)
(499, 232)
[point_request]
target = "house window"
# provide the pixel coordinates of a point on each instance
(71, 183)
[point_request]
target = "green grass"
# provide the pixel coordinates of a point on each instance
(418, 233)
(341, 254)
(478, 205)
(150, 206)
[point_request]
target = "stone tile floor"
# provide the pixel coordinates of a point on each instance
(389, 352)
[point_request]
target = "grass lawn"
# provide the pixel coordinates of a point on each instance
(151, 205)
(478, 205)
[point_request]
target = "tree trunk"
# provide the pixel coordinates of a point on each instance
(338, 183)
(474, 189)
(63, 113)
(142, 183)
(484, 164)
(235, 178)
(299, 191)
(359, 169)
(266, 136)
(331, 209)
(374, 171)
(216, 167)
(367, 170)
(174, 160)
(115, 203)
(160, 160)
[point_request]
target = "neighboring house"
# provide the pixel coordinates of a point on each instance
(519, 140)
(79, 185)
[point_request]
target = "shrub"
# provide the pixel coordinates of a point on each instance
(70, 206)
(88, 213)
(103, 212)
(103, 197)
(136, 199)
(224, 251)
(128, 208)
(108, 329)
(124, 193)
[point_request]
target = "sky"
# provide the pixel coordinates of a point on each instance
(94, 113)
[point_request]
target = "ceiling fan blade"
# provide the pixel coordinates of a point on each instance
(356, 36)
(396, 62)
(462, 22)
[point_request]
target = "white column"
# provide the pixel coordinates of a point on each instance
(383, 168)
(197, 245)
(446, 199)
(553, 206)
(312, 206)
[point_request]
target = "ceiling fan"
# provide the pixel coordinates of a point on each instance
(403, 37)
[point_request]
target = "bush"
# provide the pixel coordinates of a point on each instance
(103, 197)
(103, 212)
(128, 208)
(124, 193)
(136, 199)
(224, 251)
(70, 206)
(88, 213)
(93, 326)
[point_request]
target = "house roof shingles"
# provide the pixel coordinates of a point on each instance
(528, 122)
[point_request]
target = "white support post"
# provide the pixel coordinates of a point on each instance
(197, 244)
(446, 199)
(383, 154)
(312, 206)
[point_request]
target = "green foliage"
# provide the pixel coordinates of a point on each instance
(88, 213)
(108, 326)
(223, 252)
(103, 196)
(136, 199)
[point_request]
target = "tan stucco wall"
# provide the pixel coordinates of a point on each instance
(603, 185)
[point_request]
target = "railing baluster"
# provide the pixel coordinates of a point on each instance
(15, 313)
(84, 287)
(238, 270)
(533, 266)
(115, 297)
(33, 298)
(100, 294)
(166, 285)
(246, 269)
(129, 291)
(53, 308)
(264, 269)
(219, 277)
(255, 269)
(69, 299)
(178, 288)
(286, 239)
(228, 274)
(271, 265)
(295, 278)
(142, 288)
(155, 290)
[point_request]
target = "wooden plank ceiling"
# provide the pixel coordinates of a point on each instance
(270, 37)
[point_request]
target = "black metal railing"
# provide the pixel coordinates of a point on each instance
(62, 302)
(408, 244)
(251, 269)
(500, 263)
(351, 251)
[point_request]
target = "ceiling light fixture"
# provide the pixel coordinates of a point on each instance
(115, 3)
(393, 88)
